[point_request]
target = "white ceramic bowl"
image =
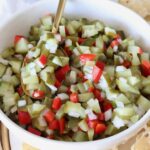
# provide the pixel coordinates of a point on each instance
(110, 13)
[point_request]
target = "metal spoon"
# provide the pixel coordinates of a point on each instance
(57, 19)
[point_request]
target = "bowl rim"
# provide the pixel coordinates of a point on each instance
(8, 122)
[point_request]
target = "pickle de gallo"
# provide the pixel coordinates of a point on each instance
(87, 82)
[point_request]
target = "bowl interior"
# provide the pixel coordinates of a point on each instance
(109, 12)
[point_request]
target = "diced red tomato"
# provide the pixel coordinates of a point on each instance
(107, 105)
(56, 103)
(81, 40)
(100, 64)
(57, 83)
(74, 97)
(61, 73)
(87, 57)
(101, 117)
(38, 94)
(96, 74)
(34, 131)
(43, 59)
(49, 116)
(140, 51)
(127, 64)
(68, 51)
(97, 94)
(18, 38)
(20, 91)
(94, 43)
(100, 128)
(54, 125)
(145, 68)
(117, 36)
(24, 118)
(61, 125)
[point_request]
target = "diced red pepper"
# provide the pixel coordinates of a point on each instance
(145, 68)
(49, 116)
(96, 74)
(94, 43)
(117, 36)
(87, 57)
(38, 94)
(56, 104)
(101, 117)
(100, 64)
(92, 123)
(140, 51)
(24, 118)
(34, 131)
(68, 91)
(61, 73)
(67, 32)
(107, 105)
(18, 38)
(54, 125)
(91, 89)
(114, 43)
(20, 91)
(97, 94)
(68, 51)
(50, 137)
(43, 59)
(127, 64)
(100, 128)
(61, 125)
(57, 83)
(74, 97)
(81, 40)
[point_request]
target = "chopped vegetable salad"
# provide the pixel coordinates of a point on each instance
(86, 82)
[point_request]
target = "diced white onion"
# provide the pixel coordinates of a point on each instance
(108, 114)
(74, 114)
(39, 64)
(52, 87)
(42, 121)
(13, 109)
(90, 114)
(58, 37)
(115, 48)
(118, 122)
(22, 103)
(120, 104)
(49, 132)
(63, 96)
(68, 43)
(51, 45)
(30, 46)
(76, 52)
(120, 69)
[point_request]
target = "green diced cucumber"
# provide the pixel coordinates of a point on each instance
(16, 65)
(47, 20)
(81, 88)
(80, 136)
(31, 80)
(83, 125)
(35, 109)
(84, 97)
(8, 52)
(125, 113)
(144, 103)
(146, 90)
(2, 69)
(21, 46)
(6, 88)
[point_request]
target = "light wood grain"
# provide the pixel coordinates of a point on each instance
(5, 138)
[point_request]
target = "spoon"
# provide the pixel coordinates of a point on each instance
(57, 19)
